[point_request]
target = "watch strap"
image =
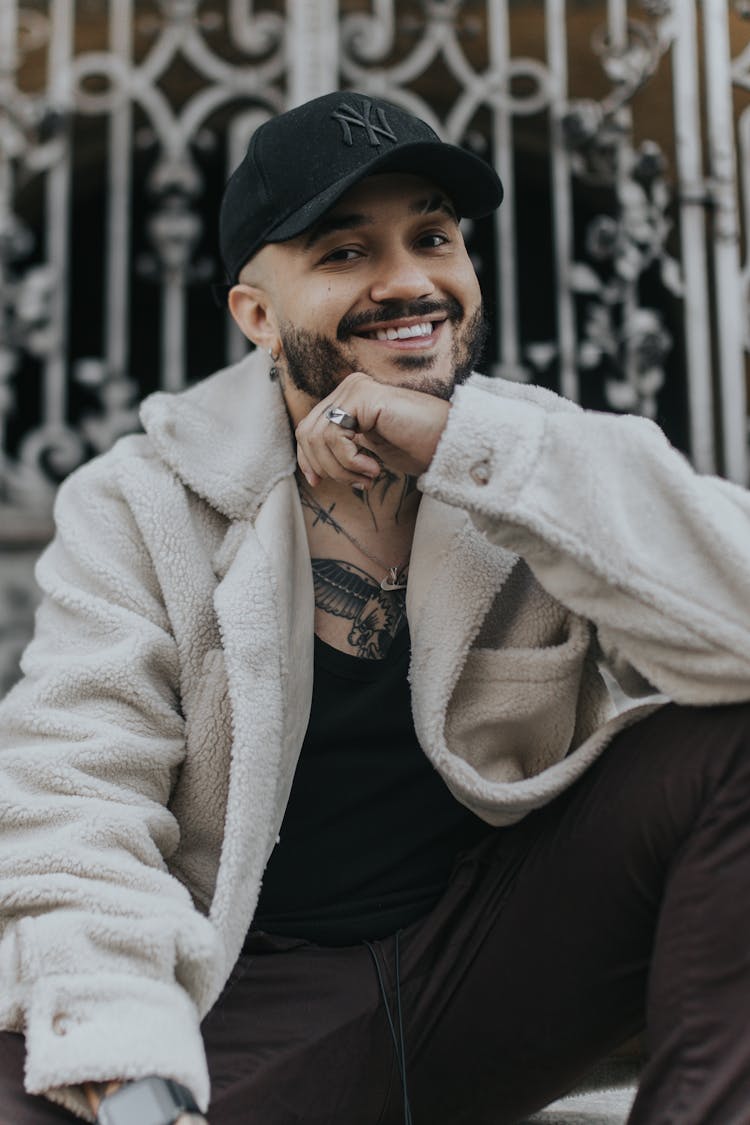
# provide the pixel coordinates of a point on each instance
(147, 1101)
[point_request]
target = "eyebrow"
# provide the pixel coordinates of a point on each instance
(332, 223)
(437, 202)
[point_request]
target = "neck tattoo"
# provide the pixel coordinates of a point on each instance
(395, 578)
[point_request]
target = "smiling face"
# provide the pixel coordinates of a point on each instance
(382, 284)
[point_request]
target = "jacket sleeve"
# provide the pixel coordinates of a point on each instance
(616, 525)
(100, 947)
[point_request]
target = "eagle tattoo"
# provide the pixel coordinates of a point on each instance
(346, 591)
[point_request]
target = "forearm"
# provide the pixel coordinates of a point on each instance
(103, 955)
(614, 524)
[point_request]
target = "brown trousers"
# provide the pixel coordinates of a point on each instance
(622, 904)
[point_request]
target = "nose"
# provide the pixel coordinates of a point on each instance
(401, 277)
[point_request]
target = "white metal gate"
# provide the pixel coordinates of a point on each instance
(119, 119)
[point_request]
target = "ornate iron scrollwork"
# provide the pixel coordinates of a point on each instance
(175, 88)
(625, 342)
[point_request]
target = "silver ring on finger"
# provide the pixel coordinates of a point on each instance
(340, 418)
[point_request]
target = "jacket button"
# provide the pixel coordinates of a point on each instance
(60, 1024)
(480, 473)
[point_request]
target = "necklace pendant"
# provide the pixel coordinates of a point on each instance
(392, 581)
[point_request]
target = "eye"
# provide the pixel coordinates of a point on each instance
(342, 254)
(433, 240)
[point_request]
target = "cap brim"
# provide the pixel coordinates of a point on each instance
(473, 186)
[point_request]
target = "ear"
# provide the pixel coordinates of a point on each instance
(251, 308)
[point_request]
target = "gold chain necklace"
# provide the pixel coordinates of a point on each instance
(396, 578)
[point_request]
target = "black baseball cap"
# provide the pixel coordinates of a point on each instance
(298, 164)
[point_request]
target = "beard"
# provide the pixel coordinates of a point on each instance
(316, 364)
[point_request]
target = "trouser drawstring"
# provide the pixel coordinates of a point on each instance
(398, 1037)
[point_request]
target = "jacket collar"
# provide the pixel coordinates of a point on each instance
(228, 438)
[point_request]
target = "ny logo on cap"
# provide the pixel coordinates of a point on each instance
(348, 117)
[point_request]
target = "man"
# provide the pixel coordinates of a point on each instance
(476, 881)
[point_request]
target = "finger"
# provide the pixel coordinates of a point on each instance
(317, 463)
(349, 400)
(366, 462)
(364, 445)
(349, 449)
(338, 458)
(406, 422)
(338, 417)
(330, 451)
(307, 457)
(306, 469)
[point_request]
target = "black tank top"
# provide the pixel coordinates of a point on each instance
(371, 832)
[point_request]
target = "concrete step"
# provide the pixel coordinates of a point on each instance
(595, 1107)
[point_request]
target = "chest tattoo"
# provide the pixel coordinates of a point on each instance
(344, 590)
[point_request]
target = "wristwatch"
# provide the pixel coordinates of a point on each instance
(147, 1101)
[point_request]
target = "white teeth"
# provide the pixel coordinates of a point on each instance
(423, 329)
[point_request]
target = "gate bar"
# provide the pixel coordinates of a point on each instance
(728, 282)
(691, 198)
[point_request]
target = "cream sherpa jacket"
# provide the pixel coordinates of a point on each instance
(147, 755)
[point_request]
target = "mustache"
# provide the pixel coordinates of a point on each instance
(395, 310)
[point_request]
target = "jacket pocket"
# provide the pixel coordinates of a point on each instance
(513, 712)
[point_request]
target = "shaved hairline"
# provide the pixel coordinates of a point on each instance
(255, 272)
